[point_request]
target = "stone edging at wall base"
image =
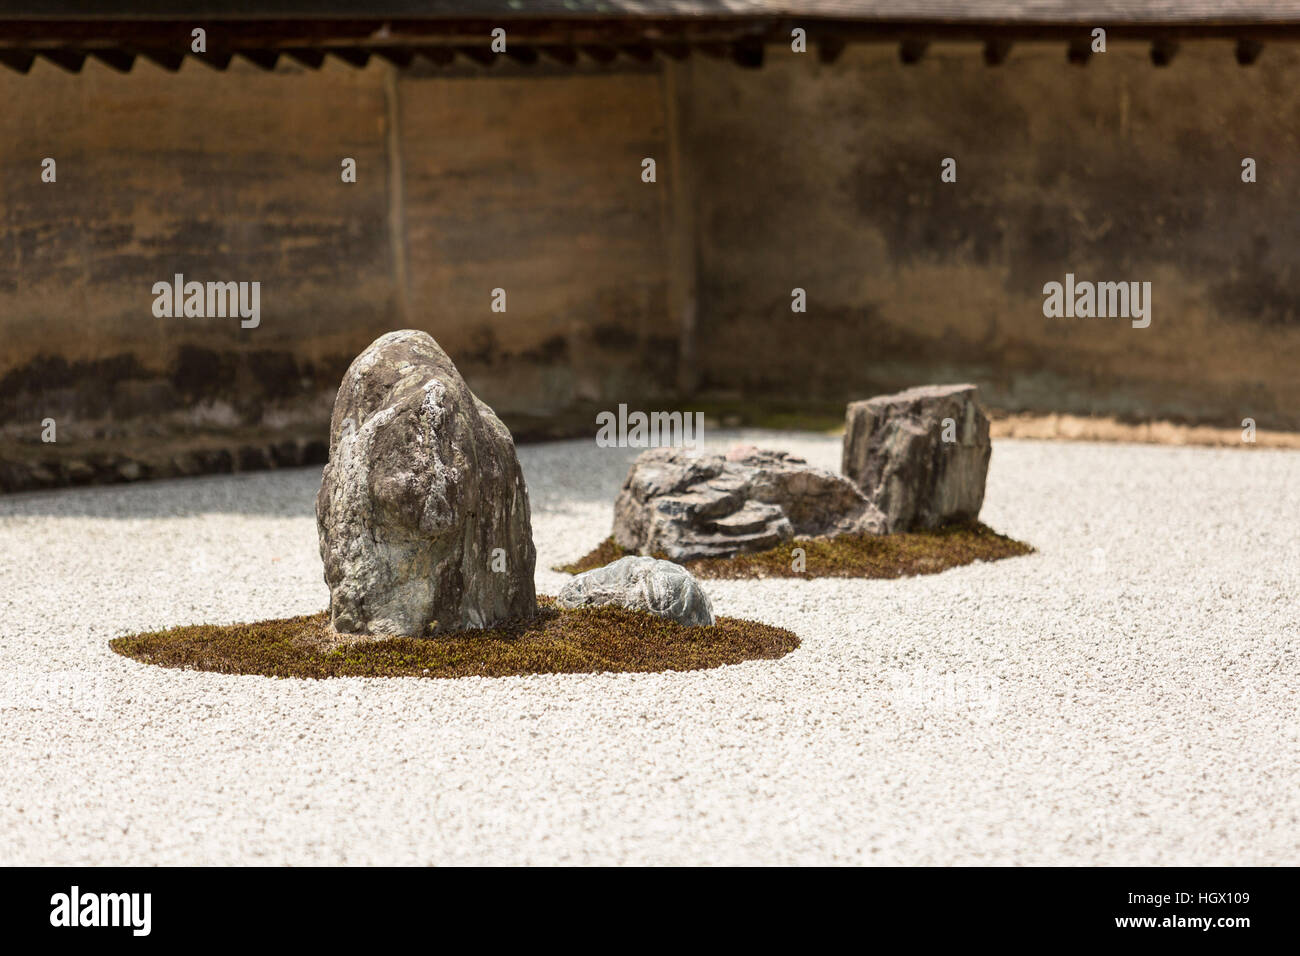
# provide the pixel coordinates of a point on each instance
(35, 467)
(31, 468)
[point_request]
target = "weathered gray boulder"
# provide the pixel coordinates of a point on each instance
(921, 456)
(686, 504)
(421, 490)
(645, 584)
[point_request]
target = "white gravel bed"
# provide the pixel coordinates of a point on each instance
(1127, 695)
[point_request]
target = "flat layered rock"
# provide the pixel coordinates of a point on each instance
(422, 512)
(686, 504)
(921, 456)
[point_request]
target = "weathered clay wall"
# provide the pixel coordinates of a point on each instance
(828, 178)
(527, 182)
(216, 176)
(801, 174)
(532, 184)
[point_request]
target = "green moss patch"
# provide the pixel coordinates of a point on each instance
(848, 556)
(556, 641)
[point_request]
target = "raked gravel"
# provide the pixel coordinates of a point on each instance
(1127, 695)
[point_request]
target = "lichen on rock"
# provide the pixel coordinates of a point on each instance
(422, 513)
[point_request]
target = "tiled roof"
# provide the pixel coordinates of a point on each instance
(1097, 12)
(565, 33)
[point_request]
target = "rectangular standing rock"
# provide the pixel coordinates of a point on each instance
(921, 456)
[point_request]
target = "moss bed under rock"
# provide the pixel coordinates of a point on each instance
(556, 641)
(848, 556)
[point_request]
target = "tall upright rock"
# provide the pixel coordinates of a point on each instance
(921, 456)
(422, 512)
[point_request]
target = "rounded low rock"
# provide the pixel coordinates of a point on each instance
(642, 583)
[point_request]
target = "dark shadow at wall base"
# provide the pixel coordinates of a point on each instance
(45, 466)
(33, 466)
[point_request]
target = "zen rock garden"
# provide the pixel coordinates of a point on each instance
(426, 537)
(424, 520)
